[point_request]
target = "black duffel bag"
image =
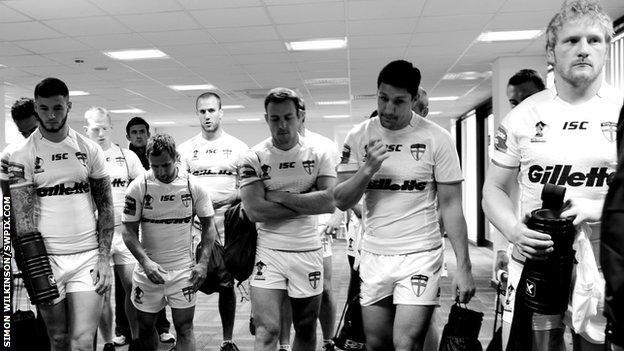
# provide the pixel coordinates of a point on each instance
(241, 238)
(217, 276)
(461, 332)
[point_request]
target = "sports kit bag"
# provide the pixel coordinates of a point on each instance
(240, 242)
(461, 332)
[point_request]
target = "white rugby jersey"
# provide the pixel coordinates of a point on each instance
(165, 212)
(295, 171)
(122, 166)
(4, 159)
(321, 141)
(60, 173)
(558, 143)
(400, 200)
(214, 163)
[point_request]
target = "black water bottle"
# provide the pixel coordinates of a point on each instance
(547, 287)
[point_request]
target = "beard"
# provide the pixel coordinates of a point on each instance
(53, 130)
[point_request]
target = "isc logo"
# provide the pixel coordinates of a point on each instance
(394, 147)
(56, 157)
(284, 165)
(575, 125)
(167, 198)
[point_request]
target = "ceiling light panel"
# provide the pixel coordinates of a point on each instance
(489, 37)
(317, 44)
(143, 54)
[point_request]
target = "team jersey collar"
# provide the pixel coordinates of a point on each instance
(604, 91)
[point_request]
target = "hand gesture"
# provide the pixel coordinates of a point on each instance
(154, 272)
(101, 275)
(376, 153)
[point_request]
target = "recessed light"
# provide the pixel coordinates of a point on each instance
(248, 119)
(231, 107)
(317, 44)
(470, 75)
(336, 116)
(162, 123)
(433, 113)
(192, 87)
(127, 110)
(1, 65)
(327, 81)
(337, 102)
(509, 35)
(443, 98)
(136, 54)
(78, 93)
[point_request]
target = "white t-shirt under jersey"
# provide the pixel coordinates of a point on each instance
(165, 212)
(400, 201)
(555, 142)
(296, 171)
(60, 173)
(122, 166)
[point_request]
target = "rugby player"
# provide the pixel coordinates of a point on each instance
(566, 136)
(403, 165)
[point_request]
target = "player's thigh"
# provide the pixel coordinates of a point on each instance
(378, 319)
(411, 322)
(266, 306)
(84, 310)
(183, 317)
(327, 273)
(125, 275)
(305, 311)
(55, 318)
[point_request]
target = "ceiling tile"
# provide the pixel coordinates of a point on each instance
(464, 7)
(379, 41)
(27, 61)
(53, 9)
(255, 47)
(124, 7)
(10, 49)
(88, 26)
(26, 31)
(309, 12)
(183, 37)
(382, 26)
(7, 14)
(199, 50)
(115, 41)
(251, 16)
(53, 45)
(155, 22)
(304, 31)
(373, 9)
(452, 23)
(218, 4)
(242, 34)
(520, 21)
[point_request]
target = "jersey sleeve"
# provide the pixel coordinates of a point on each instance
(506, 151)
(201, 199)
(20, 168)
(327, 163)
(183, 151)
(134, 165)
(248, 168)
(133, 203)
(446, 169)
(350, 153)
(98, 163)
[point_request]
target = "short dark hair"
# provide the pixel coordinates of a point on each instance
(401, 74)
(525, 76)
(136, 121)
(160, 143)
(207, 95)
(277, 95)
(22, 109)
(51, 87)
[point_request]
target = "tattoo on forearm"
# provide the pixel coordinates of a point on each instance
(23, 202)
(103, 198)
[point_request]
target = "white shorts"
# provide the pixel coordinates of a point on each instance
(411, 279)
(120, 254)
(177, 291)
(73, 272)
(300, 273)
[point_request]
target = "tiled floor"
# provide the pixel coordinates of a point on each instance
(208, 323)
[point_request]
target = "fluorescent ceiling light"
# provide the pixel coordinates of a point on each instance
(136, 54)
(1, 65)
(338, 102)
(444, 98)
(317, 44)
(192, 87)
(336, 116)
(467, 75)
(162, 123)
(433, 113)
(327, 81)
(509, 35)
(231, 107)
(127, 110)
(78, 93)
(248, 119)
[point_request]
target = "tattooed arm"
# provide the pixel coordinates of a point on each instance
(103, 199)
(23, 208)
